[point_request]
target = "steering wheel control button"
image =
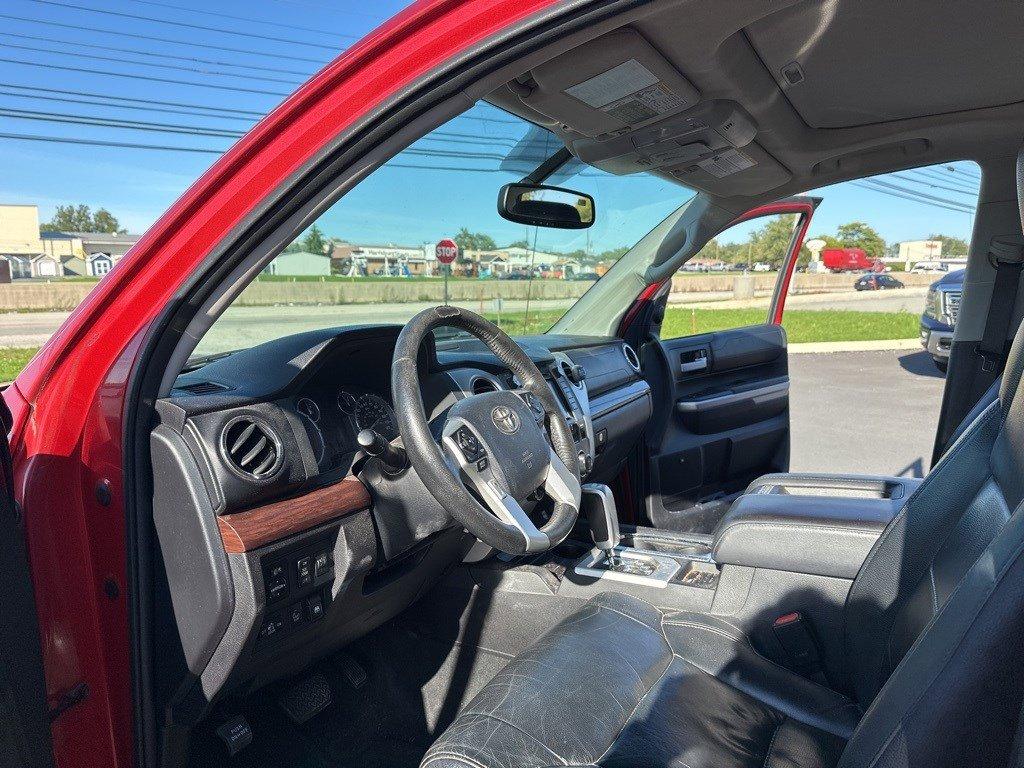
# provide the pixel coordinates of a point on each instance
(469, 445)
(304, 571)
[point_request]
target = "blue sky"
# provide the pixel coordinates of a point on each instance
(239, 65)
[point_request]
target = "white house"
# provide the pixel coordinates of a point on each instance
(98, 264)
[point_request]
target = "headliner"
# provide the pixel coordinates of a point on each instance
(885, 85)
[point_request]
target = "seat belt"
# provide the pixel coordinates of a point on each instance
(1007, 256)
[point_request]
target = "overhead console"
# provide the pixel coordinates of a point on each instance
(621, 106)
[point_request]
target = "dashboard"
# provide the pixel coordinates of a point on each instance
(288, 541)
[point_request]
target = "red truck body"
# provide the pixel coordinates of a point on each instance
(847, 259)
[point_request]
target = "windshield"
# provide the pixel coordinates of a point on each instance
(370, 258)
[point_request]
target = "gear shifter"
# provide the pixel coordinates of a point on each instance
(599, 505)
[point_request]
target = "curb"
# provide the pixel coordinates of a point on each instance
(827, 347)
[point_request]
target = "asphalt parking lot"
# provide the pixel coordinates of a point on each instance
(865, 412)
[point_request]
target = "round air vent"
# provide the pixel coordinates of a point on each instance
(251, 448)
(479, 385)
(631, 358)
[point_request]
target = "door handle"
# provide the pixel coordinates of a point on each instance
(695, 360)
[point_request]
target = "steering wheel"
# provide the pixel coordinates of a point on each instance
(494, 443)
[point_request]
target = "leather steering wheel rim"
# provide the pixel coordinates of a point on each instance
(426, 456)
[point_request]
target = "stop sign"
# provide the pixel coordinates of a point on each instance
(446, 250)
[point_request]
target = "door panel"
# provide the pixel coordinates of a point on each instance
(24, 719)
(721, 401)
(729, 422)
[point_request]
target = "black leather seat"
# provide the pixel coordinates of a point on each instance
(934, 639)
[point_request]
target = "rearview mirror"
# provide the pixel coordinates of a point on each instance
(543, 206)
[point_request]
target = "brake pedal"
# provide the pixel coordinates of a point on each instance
(306, 699)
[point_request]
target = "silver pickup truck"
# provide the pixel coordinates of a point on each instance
(939, 316)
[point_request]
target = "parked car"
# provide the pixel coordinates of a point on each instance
(939, 317)
(877, 282)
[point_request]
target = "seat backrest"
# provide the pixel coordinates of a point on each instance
(942, 529)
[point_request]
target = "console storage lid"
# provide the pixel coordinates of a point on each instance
(815, 524)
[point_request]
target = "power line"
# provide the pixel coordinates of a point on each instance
(155, 39)
(100, 143)
(186, 25)
(106, 122)
(897, 187)
(962, 172)
(95, 103)
(201, 150)
(441, 136)
(88, 94)
(178, 128)
(946, 180)
(934, 185)
(239, 18)
(168, 56)
(149, 78)
(174, 67)
(912, 198)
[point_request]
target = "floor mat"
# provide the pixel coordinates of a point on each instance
(415, 686)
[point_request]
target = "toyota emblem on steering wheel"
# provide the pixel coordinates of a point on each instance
(505, 419)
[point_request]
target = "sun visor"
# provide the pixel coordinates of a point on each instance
(609, 86)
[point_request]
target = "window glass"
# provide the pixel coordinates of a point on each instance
(370, 258)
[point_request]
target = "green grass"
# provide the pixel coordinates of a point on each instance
(12, 360)
(802, 325)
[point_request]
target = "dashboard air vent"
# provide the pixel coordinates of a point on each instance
(481, 385)
(631, 358)
(251, 447)
(204, 388)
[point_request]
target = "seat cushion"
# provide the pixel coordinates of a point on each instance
(620, 684)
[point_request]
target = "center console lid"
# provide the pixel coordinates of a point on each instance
(816, 524)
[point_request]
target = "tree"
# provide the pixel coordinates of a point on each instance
(770, 243)
(857, 234)
(79, 218)
(475, 241)
(518, 244)
(314, 241)
(104, 221)
(951, 246)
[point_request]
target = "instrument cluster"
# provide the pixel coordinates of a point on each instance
(333, 417)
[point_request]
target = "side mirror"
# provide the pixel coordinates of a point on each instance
(542, 206)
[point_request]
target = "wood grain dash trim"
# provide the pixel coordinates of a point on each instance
(253, 528)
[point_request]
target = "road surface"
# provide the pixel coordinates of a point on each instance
(864, 412)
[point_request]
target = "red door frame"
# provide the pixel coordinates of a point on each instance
(803, 206)
(68, 404)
